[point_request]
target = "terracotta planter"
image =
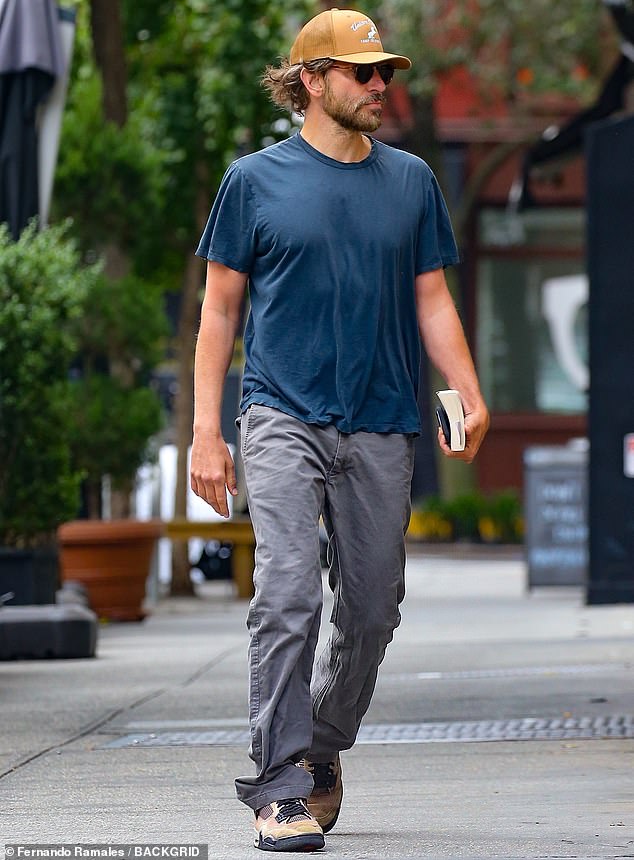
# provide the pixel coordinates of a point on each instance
(112, 559)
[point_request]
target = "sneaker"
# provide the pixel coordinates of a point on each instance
(287, 825)
(325, 800)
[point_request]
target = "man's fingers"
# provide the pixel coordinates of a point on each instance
(443, 442)
(474, 438)
(219, 502)
(232, 485)
(211, 485)
(213, 492)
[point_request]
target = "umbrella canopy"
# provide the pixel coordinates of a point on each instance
(31, 58)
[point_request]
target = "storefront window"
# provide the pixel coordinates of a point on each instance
(532, 294)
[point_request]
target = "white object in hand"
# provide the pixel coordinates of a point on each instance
(452, 404)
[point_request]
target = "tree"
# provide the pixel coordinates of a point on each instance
(107, 39)
(514, 53)
(211, 110)
(180, 95)
(107, 181)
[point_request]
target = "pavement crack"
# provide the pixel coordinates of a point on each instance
(97, 724)
(211, 664)
(81, 733)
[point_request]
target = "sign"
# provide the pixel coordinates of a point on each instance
(556, 516)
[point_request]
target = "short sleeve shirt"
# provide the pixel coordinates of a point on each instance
(332, 250)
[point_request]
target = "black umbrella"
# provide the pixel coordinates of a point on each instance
(31, 59)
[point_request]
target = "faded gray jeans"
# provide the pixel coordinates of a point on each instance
(360, 484)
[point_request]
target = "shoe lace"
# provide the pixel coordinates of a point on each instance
(291, 809)
(323, 774)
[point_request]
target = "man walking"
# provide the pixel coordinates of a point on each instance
(342, 242)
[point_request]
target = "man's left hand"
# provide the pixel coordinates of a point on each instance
(476, 424)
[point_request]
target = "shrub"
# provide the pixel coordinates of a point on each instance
(496, 518)
(42, 290)
(120, 335)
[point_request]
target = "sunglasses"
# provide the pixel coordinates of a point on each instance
(364, 72)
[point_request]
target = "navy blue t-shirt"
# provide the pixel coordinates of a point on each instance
(332, 251)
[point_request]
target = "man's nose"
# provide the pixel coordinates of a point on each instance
(376, 82)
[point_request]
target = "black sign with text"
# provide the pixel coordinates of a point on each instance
(556, 515)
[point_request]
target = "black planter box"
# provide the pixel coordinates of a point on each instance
(31, 574)
(44, 632)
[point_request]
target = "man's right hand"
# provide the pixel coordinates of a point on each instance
(212, 469)
(212, 472)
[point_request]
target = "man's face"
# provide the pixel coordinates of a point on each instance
(354, 106)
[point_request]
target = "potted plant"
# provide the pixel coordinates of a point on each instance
(42, 290)
(120, 337)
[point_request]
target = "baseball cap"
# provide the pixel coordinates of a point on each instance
(343, 34)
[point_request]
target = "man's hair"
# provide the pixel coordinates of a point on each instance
(285, 86)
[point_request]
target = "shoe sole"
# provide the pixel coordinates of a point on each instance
(306, 842)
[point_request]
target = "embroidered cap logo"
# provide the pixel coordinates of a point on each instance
(372, 31)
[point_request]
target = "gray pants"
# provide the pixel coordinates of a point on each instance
(360, 483)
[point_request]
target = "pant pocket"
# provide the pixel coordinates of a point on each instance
(246, 420)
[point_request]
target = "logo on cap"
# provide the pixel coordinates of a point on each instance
(372, 31)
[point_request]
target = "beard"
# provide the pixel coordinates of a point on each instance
(354, 114)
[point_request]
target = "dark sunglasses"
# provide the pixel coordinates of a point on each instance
(364, 72)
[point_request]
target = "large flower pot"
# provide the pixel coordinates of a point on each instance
(112, 559)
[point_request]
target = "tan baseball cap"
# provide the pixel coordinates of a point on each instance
(343, 34)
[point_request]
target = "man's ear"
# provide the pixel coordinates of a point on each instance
(313, 81)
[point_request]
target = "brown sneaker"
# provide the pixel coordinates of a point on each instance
(325, 800)
(287, 825)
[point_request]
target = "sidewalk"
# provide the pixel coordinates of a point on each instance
(141, 745)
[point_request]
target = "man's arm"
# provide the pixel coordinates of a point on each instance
(212, 468)
(442, 334)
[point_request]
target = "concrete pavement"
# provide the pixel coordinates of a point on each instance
(141, 745)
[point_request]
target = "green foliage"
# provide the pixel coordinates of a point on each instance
(122, 328)
(120, 335)
(55, 430)
(116, 425)
(42, 290)
(503, 517)
(509, 45)
(109, 179)
(494, 518)
(194, 104)
(203, 70)
(464, 512)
